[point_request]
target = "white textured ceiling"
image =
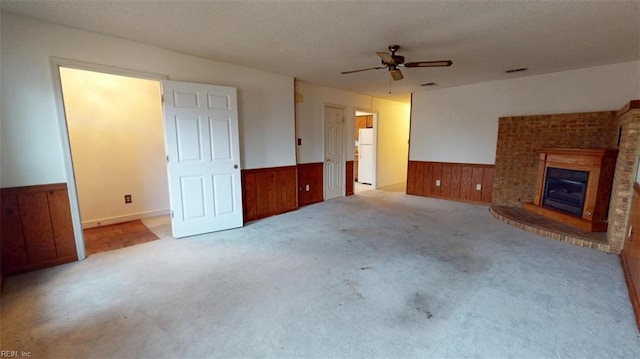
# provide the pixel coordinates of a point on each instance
(315, 41)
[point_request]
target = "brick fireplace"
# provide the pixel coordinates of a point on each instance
(521, 140)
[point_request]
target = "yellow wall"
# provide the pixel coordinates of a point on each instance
(117, 144)
(393, 141)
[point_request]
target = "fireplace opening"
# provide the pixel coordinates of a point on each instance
(565, 190)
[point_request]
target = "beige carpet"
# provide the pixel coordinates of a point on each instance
(376, 275)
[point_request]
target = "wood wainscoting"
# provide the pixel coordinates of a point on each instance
(37, 231)
(455, 181)
(349, 174)
(310, 184)
(268, 191)
(630, 254)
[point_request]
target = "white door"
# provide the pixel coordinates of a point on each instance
(203, 154)
(333, 152)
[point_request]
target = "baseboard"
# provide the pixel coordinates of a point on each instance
(393, 186)
(635, 301)
(126, 218)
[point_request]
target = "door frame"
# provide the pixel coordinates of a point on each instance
(55, 64)
(344, 174)
(375, 141)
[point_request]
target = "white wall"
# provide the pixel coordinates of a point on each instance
(392, 131)
(460, 124)
(116, 135)
(309, 126)
(31, 145)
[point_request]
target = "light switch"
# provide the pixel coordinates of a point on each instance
(437, 183)
(307, 188)
(478, 187)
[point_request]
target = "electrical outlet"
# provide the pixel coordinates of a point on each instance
(307, 187)
(478, 187)
(437, 183)
(127, 198)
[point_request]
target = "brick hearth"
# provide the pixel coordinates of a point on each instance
(543, 226)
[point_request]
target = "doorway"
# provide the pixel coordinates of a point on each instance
(115, 129)
(364, 166)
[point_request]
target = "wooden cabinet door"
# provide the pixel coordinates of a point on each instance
(369, 122)
(361, 122)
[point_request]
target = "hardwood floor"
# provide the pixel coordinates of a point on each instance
(107, 238)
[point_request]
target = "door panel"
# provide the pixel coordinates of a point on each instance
(192, 191)
(333, 152)
(219, 135)
(201, 131)
(223, 190)
(188, 134)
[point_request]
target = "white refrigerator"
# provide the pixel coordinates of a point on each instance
(365, 156)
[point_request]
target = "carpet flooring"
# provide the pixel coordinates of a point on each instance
(108, 238)
(375, 275)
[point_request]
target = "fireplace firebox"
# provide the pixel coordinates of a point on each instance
(565, 190)
(574, 186)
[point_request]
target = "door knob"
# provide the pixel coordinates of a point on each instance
(235, 166)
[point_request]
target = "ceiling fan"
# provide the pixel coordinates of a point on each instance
(393, 62)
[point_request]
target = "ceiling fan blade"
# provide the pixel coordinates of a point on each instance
(441, 63)
(371, 68)
(396, 75)
(386, 57)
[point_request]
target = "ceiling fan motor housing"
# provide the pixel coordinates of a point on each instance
(398, 59)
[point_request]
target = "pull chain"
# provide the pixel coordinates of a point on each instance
(389, 85)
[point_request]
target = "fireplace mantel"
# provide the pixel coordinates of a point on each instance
(600, 165)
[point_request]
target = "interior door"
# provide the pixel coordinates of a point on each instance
(333, 152)
(203, 154)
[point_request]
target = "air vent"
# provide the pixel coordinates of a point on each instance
(429, 84)
(522, 69)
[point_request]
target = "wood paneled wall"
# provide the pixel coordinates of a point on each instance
(458, 181)
(349, 172)
(631, 253)
(268, 191)
(36, 228)
(310, 184)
